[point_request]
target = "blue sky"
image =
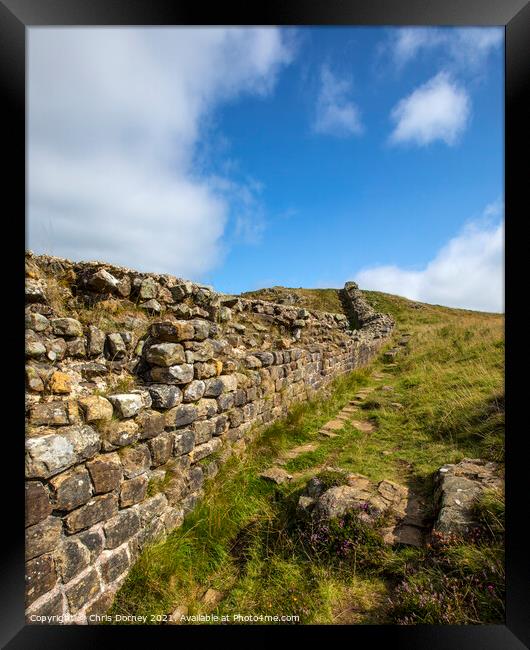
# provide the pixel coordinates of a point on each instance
(254, 157)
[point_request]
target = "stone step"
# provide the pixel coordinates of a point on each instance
(363, 425)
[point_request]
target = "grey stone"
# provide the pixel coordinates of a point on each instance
(173, 331)
(66, 327)
(50, 454)
(71, 489)
(71, 557)
(95, 341)
(114, 565)
(103, 281)
(206, 449)
(121, 528)
(135, 460)
(165, 396)
(179, 374)
(276, 475)
(40, 576)
(127, 404)
(106, 472)
(184, 442)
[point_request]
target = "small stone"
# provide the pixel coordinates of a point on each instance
(36, 322)
(182, 415)
(119, 433)
(148, 289)
(76, 347)
(60, 383)
(151, 423)
(67, 327)
(178, 615)
(161, 449)
(96, 408)
(276, 475)
(208, 448)
(35, 291)
(33, 380)
(49, 413)
(34, 347)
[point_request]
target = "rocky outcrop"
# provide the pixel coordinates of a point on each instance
(458, 488)
(138, 386)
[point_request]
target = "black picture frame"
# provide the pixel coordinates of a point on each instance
(18, 15)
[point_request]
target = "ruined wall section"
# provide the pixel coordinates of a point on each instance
(138, 386)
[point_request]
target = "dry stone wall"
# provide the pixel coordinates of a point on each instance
(138, 386)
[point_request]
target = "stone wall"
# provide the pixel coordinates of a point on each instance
(138, 386)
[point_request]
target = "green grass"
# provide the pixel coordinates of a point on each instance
(240, 539)
(318, 299)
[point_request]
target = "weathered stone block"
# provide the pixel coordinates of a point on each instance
(207, 407)
(135, 460)
(115, 347)
(225, 401)
(121, 528)
(71, 557)
(50, 454)
(165, 354)
(165, 396)
(133, 491)
(193, 391)
(43, 537)
(152, 507)
(38, 505)
(95, 341)
(114, 564)
(96, 408)
(206, 449)
(49, 413)
(127, 404)
(179, 374)
(182, 415)
(100, 508)
(106, 472)
(40, 577)
(47, 612)
(119, 433)
(204, 370)
(60, 383)
(161, 448)
(173, 331)
(184, 441)
(71, 489)
(94, 541)
(151, 424)
(221, 384)
(82, 591)
(204, 430)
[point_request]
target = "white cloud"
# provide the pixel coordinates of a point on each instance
(437, 110)
(114, 120)
(467, 272)
(465, 49)
(336, 113)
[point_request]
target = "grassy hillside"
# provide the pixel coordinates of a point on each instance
(240, 541)
(319, 299)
